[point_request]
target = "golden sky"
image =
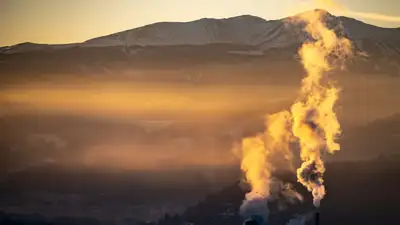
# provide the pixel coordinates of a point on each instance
(69, 21)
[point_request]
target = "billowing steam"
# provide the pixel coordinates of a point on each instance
(257, 155)
(335, 6)
(314, 121)
(311, 121)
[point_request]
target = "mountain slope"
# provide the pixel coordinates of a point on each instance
(245, 30)
(365, 140)
(242, 30)
(235, 41)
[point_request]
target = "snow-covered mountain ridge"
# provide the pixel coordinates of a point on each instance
(242, 30)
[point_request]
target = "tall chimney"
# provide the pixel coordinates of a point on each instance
(316, 218)
(254, 220)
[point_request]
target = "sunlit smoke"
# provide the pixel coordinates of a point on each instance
(337, 7)
(279, 137)
(258, 172)
(314, 120)
(258, 154)
(311, 121)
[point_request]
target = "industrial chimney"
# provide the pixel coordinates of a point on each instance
(254, 220)
(316, 220)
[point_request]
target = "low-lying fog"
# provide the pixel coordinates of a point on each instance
(147, 126)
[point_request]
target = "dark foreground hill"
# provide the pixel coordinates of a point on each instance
(363, 193)
(357, 193)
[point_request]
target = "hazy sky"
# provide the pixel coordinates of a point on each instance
(67, 21)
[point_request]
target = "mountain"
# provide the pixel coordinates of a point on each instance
(241, 30)
(244, 30)
(231, 40)
(247, 30)
(28, 47)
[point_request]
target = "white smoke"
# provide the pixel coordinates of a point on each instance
(281, 193)
(255, 206)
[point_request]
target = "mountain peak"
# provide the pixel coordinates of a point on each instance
(246, 16)
(240, 30)
(324, 13)
(321, 11)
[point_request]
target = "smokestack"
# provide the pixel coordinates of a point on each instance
(316, 218)
(254, 220)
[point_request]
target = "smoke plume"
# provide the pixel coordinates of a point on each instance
(311, 121)
(314, 122)
(335, 6)
(258, 154)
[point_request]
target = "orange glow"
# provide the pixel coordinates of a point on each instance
(314, 120)
(128, 101)
(311, 121)
(153, 157)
